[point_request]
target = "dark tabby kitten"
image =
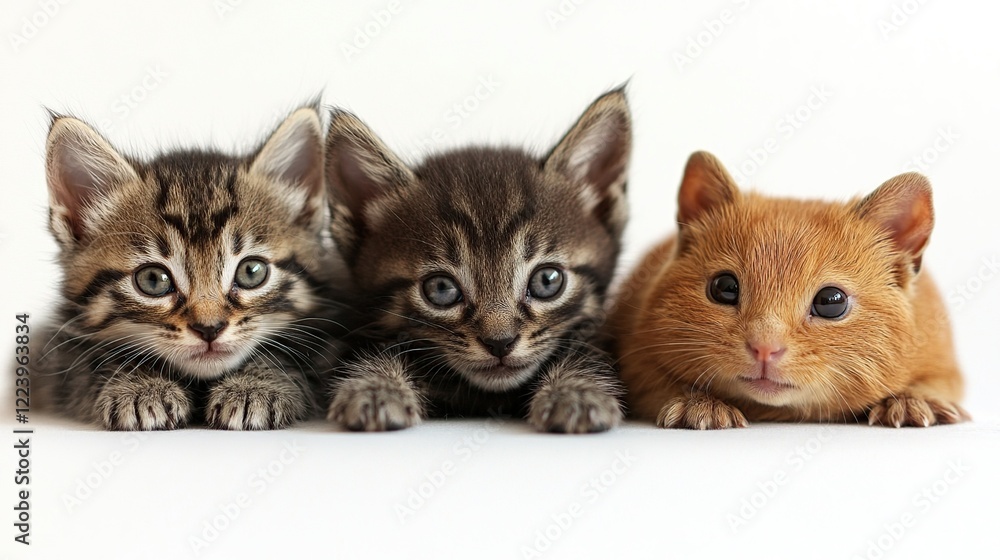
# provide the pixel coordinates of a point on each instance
(190, 282)
(485, 272)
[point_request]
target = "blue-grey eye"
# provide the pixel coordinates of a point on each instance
(251, 273)
(154, 280)
(830, 303)
(442, 291)
(546, 283)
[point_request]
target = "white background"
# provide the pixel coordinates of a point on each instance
(902, 80)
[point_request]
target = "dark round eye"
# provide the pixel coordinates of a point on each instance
(154, 281)
(546, 283)
(830, 303)
(724, 289)
(251, 273)
(442, 291)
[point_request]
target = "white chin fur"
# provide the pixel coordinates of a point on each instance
(209, 369)
(785, 398)
(498, 382)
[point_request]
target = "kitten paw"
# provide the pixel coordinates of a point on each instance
(909, 410)
(143, 403)
(574, 410)
(375, 404)
(700, 412)
(254, 403)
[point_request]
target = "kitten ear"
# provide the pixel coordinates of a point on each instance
(359, 168)
(903, 206)
(81, 169)
(594, 155)
(706, 185)
(294, 155)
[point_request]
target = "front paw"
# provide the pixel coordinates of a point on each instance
(699, 411)
(254, 403)
(574, 410)
(375, 404)
(140, 402)
(920, 412)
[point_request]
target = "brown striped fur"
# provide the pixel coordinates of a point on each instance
(487, 218)
(128, 360)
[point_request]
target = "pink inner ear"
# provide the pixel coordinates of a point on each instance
(356, 186)
(74, 189)
(608, 163)
(305, 169)
(912, 224)
(903, 206)
(706, 184)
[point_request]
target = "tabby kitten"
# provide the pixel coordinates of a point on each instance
(192, 283)
(485, 272)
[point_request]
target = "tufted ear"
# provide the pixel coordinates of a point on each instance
(293, 155)
(903, 207)
(359, 170)
(81, 169)
(706, 185)
(594, 156)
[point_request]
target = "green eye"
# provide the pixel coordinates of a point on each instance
(154, 281)
(251, 273)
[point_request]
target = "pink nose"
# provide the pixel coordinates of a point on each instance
(765, 351)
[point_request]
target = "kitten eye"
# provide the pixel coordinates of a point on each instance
(442, 291)
(251, 273)
(830, 303)
(724, 289)
(546, 283)
(154, 281)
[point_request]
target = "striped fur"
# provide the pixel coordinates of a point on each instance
(488, 219)
(128, 360)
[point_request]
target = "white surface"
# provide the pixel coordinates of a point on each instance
(225, 79)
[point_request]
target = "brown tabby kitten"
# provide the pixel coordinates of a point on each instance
(192, 282)
(485, 271)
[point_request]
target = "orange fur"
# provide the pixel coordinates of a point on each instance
(686, 358)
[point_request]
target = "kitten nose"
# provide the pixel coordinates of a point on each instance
(765, 351)
(208, 332)
(499, 347)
